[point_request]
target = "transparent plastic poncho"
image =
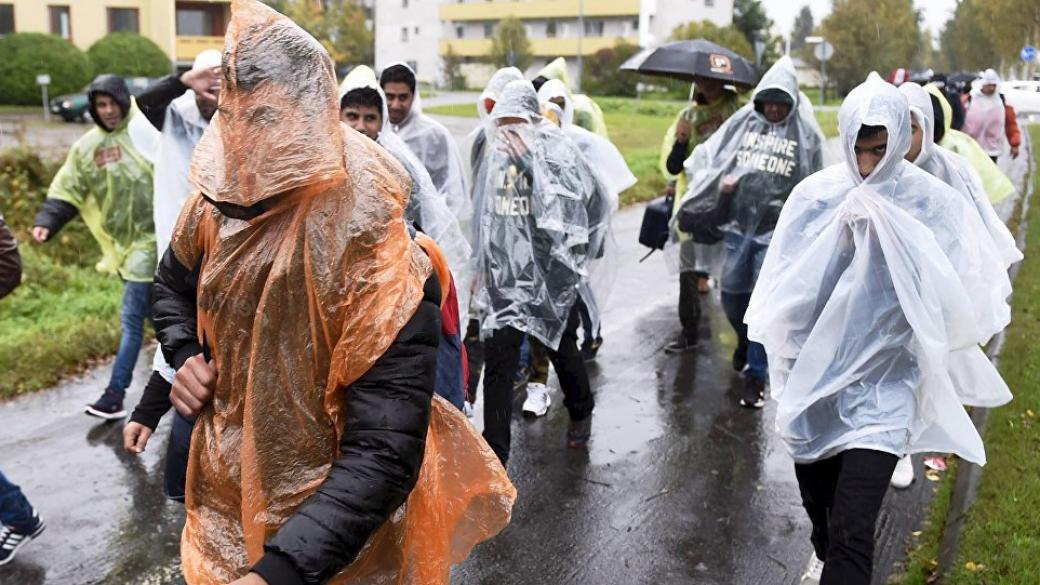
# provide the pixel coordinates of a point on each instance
(107, 177)
(478, 138)
(955, 171)
(427, 206)
(613, 173)
(541, 217)
(587, 113)
(869, 288)
(295, 305)
(435, 147)
(765, 160)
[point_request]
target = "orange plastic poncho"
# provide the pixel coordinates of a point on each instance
(298, 303)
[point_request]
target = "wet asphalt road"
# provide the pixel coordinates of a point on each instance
(679, 485)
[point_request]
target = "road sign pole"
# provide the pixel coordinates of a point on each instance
(46, 105)
(823, 83)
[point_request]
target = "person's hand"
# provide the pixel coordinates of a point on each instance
(41, 234)
(250, 579)
(728, 184)
(1014, 152)
(682, 130)
(670, 189)
(135, 437)
(202, 81)
(515, 145)
(193, 386)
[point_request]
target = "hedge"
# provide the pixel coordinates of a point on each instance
(23, 56)
(129, 55)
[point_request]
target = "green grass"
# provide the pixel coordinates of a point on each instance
(922, 559)
(637, 128)
(1002, 531)
(55, 323)
(6, 109)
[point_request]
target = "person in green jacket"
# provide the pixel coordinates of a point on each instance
(587, 113)
(713, 104)
(107, 180)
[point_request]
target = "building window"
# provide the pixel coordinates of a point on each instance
(550, 29)
(635, 26)
(196, 19)
(460, 32)
(404, 3)
(123, 19)
(61, 23)
(594, 28)
(709, 3)
(404, 34)
(414, 65)
(489, 30)
(6, 19)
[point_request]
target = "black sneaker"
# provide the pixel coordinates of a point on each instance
(754, 395)
(590, 347)
(681, 345)
(740, 357)
(12, 539)
(579, 432)
(109, 406)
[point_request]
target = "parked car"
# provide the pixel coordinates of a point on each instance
(1024, 96)
(74, 107)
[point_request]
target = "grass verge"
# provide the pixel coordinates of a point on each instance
(1000, 542)
(637, 128)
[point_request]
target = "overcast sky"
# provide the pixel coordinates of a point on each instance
(936, 12)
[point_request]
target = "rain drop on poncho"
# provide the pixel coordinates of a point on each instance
(298, 303)
(541, 217)
(435, 147)
(868, 288)
(427, 207)
(765, 159)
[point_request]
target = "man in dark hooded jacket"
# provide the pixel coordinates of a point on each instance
(107, 181)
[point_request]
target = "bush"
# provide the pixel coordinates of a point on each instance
(129, 55)
(602, 76)
(23, 56)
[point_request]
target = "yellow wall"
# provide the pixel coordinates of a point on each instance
(540, 47)
(538, 9)
(89, 19)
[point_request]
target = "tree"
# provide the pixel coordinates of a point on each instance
(23, 56)
(749, 17)
(879, 35)
(129, 55)
(509, 46)
(1009, 24)
(453, 76)
(601, 75)
(726, 36)
(966, 46)
(338, 25)
(803, 27)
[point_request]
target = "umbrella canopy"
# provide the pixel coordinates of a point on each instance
(697, 58)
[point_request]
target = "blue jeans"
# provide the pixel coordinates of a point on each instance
(735, 306)
(137, 305)
(15, 510)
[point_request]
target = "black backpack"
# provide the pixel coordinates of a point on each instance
(654, 232)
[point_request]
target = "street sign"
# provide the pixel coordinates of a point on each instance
(824, 51)
(1028, 53)
(43, 79)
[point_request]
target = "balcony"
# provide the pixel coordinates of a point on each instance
(538, 9)
(540, 47)
(188, 47)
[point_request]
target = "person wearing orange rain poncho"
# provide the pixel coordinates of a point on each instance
(303, 320)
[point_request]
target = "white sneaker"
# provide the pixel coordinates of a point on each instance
(470, 412)
(903, 475)
(538, 400)
(813, 572)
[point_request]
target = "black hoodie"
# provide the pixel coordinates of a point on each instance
(112, 86)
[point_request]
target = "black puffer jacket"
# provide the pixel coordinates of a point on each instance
(10, 261)
(381, 449)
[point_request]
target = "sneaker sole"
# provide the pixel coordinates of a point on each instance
(535, 414)
(24, 542)
(755, 405)
(105, 415)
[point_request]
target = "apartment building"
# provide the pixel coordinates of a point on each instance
(420, 32)
(181, 29)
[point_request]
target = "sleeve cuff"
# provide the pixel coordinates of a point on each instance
(182, 354)
(277, 569)
(147, 419)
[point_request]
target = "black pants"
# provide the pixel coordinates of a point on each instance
(474, 358)
(689, 303)
(842, 496)
(502, 358)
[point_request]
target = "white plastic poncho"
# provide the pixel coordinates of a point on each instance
(984, 120)
(867, 289)
(606, 160)
(427, 207)
(486, 101)
(540, 210)
(956, 171)
(766, 160)
(435, 147)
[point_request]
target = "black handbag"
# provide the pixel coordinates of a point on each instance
(654, 232)
(705, 226)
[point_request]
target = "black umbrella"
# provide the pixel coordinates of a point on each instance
(697, 58)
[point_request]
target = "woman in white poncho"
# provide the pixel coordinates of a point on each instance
(876, 274)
